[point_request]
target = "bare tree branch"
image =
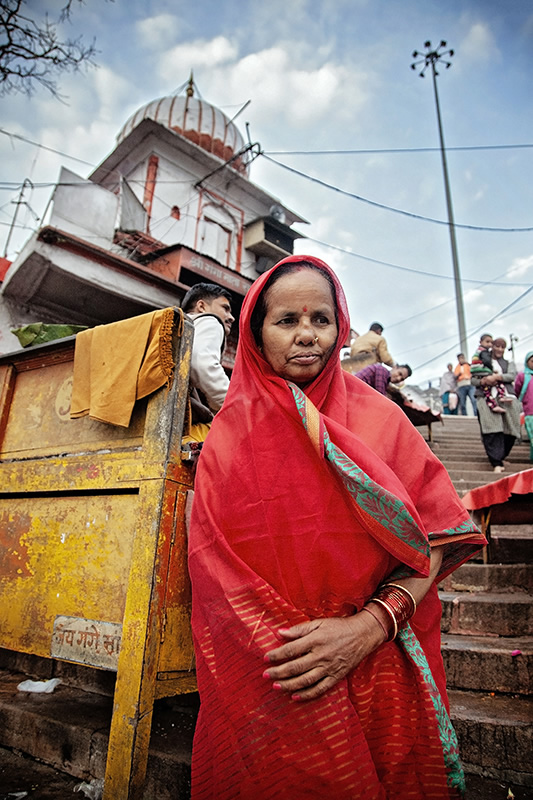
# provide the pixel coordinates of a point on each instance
(33, 54)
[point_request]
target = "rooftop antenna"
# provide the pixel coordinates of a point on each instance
(19, 202)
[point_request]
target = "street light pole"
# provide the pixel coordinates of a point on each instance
(429, 59)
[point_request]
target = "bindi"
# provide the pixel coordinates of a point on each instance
(305, 308)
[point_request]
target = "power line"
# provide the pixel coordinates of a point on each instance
(479, 328)
(393, 150)
(493, 281)
(44, 147)
(323, 183)
(385, 207)
(407, 269)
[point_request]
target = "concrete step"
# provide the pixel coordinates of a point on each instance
(452, 452)
(511, 546)
(462, 486)
(480, 788)
(475, 577)
(520, 450)
(77, 676)
(480, 476)
(487, 613)
(486, 663)
(495, 735)
(481, 465)
(19, 773)
(68, 730)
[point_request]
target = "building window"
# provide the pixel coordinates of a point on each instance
(218, 234)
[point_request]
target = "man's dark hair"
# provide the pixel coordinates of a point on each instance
(377, 327)
(407, 367)
(460, 354)
(203, 291)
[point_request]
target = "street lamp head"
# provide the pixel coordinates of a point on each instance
(431, 58)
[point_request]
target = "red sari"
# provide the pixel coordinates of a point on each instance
(297, 517)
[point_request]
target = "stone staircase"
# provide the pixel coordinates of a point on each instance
(487, 618)
(487, 631)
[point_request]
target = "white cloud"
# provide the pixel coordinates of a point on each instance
(199, 53)
(283, 91)
(479, 44)
(520, 267)
(158, 31)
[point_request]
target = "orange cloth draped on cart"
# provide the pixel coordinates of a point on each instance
(277, 538)
(117, 364)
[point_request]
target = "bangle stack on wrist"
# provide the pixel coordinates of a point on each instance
(399, 604)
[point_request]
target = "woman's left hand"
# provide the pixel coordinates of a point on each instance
(320, 653)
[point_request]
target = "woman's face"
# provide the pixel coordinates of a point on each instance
(299, 331)
(529, 362)
(498, 350)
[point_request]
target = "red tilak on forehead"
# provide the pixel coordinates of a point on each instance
(305, 308)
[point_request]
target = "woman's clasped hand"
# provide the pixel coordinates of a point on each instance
(319, 653)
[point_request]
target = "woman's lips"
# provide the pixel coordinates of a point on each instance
(305, 358)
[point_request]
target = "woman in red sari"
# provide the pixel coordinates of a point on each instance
(320, 523)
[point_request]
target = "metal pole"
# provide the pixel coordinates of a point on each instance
(451, 226)
(430, 58)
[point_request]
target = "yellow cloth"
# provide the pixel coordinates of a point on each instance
(197, 432)
(117, 364)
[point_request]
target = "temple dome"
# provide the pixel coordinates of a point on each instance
(196, 120)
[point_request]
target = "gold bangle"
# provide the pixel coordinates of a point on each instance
(402, 589)
(390, 612)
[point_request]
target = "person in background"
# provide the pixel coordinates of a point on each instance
(380, 378)
(482, 365)
(371, 348)
(498, 431)
(321, 521)
(209, 307)
(447, 391)
(523, 387)
(464, 385)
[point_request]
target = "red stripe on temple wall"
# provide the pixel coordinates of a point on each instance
(4, 266)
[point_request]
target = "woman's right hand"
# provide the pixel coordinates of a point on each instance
(319, 653)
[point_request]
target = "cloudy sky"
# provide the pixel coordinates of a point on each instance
(349, 135)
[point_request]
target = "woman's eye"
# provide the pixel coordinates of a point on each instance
(322, 320)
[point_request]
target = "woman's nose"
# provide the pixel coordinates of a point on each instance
(305, 333)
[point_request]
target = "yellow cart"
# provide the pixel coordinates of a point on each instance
(93, 541)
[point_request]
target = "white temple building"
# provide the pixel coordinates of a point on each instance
(170, 206)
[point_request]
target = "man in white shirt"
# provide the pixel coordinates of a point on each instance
(210, 308)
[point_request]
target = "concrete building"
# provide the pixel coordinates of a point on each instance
(170, 206)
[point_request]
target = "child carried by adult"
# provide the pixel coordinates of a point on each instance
(483, 365)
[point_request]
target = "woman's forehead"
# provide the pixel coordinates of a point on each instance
(301, 287)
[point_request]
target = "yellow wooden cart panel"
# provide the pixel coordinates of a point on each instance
(67, 555)
(93, 541)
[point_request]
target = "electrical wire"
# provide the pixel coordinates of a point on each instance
(450, 300)
(406, 269)
(394, 150)
(385, 207)
(479, 328)
(44, 147)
